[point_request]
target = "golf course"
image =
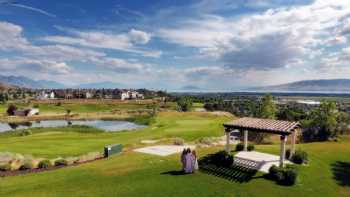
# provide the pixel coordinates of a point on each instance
(137, 174)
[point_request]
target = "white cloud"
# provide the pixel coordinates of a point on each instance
(267, 40)
(127, 42)
(32, 65)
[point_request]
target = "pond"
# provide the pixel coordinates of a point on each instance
(107, 125)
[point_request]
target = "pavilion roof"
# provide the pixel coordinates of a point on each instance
(263, 125)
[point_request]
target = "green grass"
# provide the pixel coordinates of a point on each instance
(72, 141)
(83, 107)
(137, 174)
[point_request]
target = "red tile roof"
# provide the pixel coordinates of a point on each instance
(263, 125)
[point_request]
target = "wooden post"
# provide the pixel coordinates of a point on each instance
(227, 148)
(293, 142)
(245, 140)
(283, 150)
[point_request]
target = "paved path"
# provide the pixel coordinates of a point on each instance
(163, 150)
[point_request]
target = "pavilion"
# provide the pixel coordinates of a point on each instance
(279, 127)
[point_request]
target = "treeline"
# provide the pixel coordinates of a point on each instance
(323, 122)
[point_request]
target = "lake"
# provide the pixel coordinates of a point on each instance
(107, 125)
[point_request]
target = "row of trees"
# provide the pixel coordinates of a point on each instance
(319, 123)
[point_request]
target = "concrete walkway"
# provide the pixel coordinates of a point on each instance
(260, 161)
(163, 150)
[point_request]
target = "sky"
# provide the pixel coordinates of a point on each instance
(214, 45)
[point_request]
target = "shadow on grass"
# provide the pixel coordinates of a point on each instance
(174, 173)
(234, 173)
(341, 172)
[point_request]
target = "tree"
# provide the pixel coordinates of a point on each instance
(184, 104)
(324, 118)
(11, 110)
(267, 108)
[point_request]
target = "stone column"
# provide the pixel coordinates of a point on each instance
(245, 140)
(293, 142)
(227, 148)
(283, 150)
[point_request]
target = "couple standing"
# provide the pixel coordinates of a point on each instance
(189, 161)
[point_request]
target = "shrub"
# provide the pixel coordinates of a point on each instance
(61, 162)
(273, 172)
(250, 147)
(205, 140)
(36, 106)
(5, 167)
(222, 158)
(300, 157)
(25, 132)
(11, 110)
(89, 157)
(283, 176)
(290, 177)
(72, 160)
(179, 141)
(45, 164)
(26, 166)
(239, 147)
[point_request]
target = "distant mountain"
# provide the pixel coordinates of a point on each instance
(26, 82)
(100, 85)
(5, 86)
(326, 85)
(190, 88)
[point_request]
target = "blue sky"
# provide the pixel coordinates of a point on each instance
(215, 45)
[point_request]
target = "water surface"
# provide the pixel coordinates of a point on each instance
(107, 125)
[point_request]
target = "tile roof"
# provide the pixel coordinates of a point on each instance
(263, 125)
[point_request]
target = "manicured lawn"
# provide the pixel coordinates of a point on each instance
(53, 142)
(137, 174)
(83, 107)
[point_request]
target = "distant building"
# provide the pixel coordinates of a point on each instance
(27, 112)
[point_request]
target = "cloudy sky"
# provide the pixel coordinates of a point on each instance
(215, 45)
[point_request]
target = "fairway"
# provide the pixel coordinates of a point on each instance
(55, 142)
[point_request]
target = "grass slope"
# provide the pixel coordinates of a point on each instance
(135, 174)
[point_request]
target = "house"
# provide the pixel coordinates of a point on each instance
(89, 95)
(125, 95)
(27, 112)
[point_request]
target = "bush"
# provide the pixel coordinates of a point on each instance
(5, 167)
(45, 164)
(205, 140)
(25, 132)
(11, 110)
(26, 166)
(89, 157)
(72, 160)
(290, 177)
(250, 147)
(222, 158)
(61, 162)
(300, 157)
(239, 147)
(179, 141)
(273, 172)
(283, 176)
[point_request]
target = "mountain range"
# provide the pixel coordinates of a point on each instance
(320, 85)
(25, 82)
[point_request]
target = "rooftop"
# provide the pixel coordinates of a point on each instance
(263, 125)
